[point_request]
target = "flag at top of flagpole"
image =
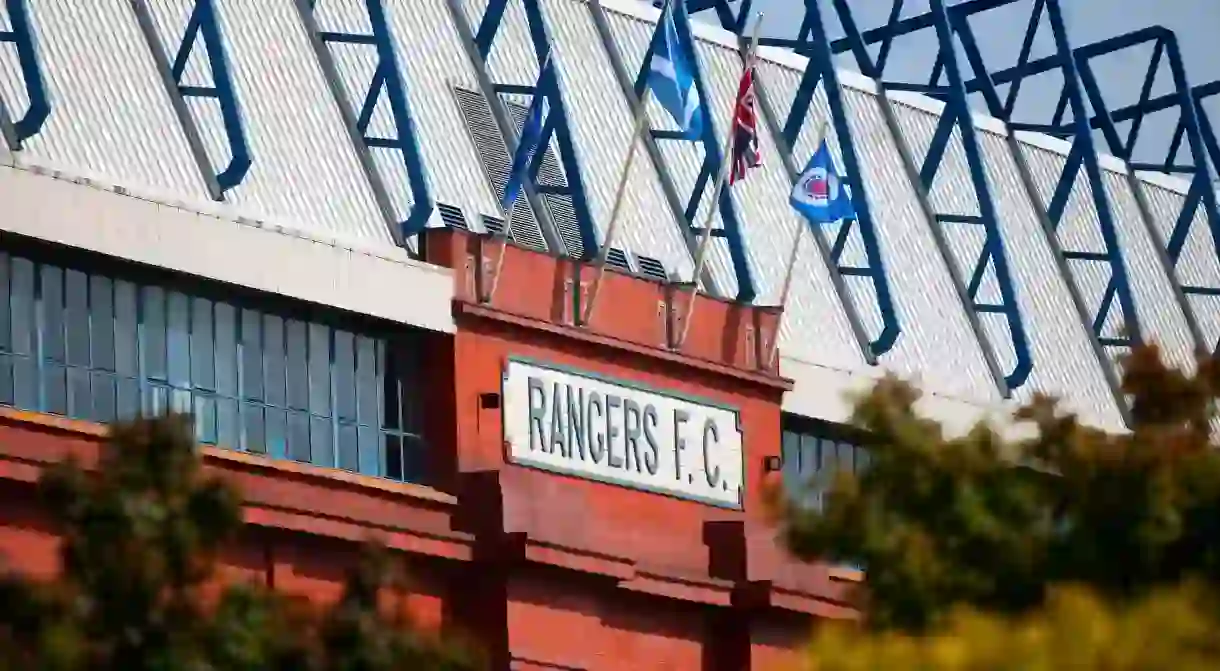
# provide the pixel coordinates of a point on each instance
(671, 77)
(746, 154)
(819, 193)
(527, 145)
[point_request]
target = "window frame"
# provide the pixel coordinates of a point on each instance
(167, 358)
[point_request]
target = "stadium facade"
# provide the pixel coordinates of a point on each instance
(284, 217)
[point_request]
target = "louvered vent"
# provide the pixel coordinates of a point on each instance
(550, 173)
(652, 268)
(494, 225)
(496, 164)
(618, 259)
(452, 216)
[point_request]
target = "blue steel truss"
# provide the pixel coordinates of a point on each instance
(556, 125)
(1194, 131)
(203, 24)
(812, 41)
(821, 70)
(388, 81)
(1080, 87)
(873, 270)
(21, 36)
(712, 159)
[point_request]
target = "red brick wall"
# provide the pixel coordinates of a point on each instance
(292, 547)
(586, 575)
(547, 571)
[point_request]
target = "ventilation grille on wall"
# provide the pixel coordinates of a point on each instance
(550, 173)
(652, 268)
(494, 225)
(496, 164)
(452, 216)
(526, 231)
(617, 259)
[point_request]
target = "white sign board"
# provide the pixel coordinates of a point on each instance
(590, 426)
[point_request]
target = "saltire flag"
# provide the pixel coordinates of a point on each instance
(527, 145)
(671, 77)
(819, 193)
(745, 154)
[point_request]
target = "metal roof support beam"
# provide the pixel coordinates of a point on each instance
(821, 69)
(956, 117)
(1083, 156)
(21, 36)
(555, 127)
(389, 84)
(203, 25)
(1194, 128)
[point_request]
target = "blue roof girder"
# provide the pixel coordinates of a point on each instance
(38, 109)
(821, 69)
(712, 161)
(830, 254)
(203, 23)
(388, 80)
(1082, 156)
(556, 126)
(1193, 126)
(955, 117)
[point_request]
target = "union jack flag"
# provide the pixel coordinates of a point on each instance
(745, 128)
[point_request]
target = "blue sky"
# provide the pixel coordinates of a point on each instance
(1001, 31)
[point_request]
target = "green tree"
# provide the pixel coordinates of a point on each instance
(1171, 628)
(141, 537)
(993, 527)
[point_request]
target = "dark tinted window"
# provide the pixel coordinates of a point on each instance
(96, 346)
(813, 452)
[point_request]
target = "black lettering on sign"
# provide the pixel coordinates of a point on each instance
(681, 417)
(537, 403)
(631, 433)
(612, 431)
(559, 430)
(651, 449)
(711, 438)
(569, 420)
(597, 440)
(576, 422)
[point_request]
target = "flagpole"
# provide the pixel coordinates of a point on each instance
(726, 165)
(789, 271)
(641, 116)
(506, 235)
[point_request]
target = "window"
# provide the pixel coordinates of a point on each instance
(101, 346)
(812, 453)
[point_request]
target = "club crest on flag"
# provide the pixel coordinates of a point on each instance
(819, 193)
(820, 187)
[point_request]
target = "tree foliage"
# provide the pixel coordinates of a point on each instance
(141, 536)
(974, 534)
(1171, 628)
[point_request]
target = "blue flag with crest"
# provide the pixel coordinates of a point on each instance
(819, 193)
(671, 77)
